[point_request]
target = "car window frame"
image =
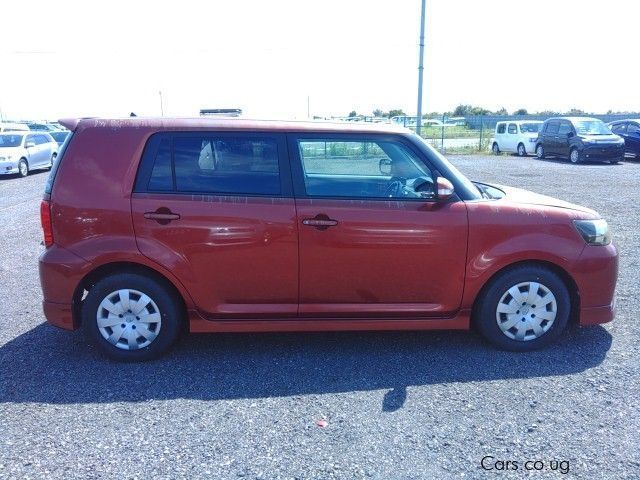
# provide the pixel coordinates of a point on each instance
(152, 145)
(297, 170)
(635, 125)
(501, 124)
(552, 122)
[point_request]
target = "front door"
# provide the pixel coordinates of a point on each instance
(565, 132)
(373, 240)
(216, 209)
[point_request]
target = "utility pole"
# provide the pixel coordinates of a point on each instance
(161, 107)
(420, 68)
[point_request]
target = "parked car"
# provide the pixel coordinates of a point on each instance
(518, 137)
(21, 152)
(13, 127)
(234, 225)
(629, 130)
(579, 139)
(60, 136)
(40, 127)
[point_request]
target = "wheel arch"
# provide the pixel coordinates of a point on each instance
(119, 267)
(565, 276)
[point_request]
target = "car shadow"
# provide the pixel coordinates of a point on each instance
(566, 161)
(47, 365)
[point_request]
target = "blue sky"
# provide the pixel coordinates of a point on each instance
(267, 57)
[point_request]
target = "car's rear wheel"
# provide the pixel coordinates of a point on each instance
(23, 168)
(521, 150)
(540, 151)
(523, 308)
(574, 156)
(495, 149)
(53, 159)
(131, 317)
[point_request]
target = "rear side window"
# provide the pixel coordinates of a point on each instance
(512, 128)
(501, 127)
(56, 164)
(216, 165)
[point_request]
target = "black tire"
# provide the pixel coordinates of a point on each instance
(522, 152)
(574, 156)
(495, 148)
(485, 313)
(540, 151)
(169, 306)
(23, 168)
(53, 159)
(614, 162)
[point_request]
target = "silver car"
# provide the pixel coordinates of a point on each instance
(21, 152)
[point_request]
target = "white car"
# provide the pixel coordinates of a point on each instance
(21, 152)
(13, 127)
(518, 137)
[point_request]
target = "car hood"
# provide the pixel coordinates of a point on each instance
(601, 138)
(10, 151)
(518, 195)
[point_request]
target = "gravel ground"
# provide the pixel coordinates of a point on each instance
(398, 405)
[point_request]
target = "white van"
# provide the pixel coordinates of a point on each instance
(13, 127)
(518, 136)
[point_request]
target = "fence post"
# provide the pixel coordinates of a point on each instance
(481, 131)
(442, 135)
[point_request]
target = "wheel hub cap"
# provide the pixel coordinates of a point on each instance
(526, 311)
(128, 319)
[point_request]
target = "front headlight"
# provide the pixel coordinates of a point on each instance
(5, 158)
(594, 232)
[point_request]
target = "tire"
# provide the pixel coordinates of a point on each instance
(574, 156)
(133, 339)
(614, 161)
(53, 159)
(540, 151)
(499, 314)
(23, 168)
(495, 149)
(521, 150)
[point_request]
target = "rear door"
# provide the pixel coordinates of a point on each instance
(632, 138)
(371, 244)
(217, 210)
(501, 133)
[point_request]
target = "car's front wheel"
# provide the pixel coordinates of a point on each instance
(53, 159)
(521, 150)
(574, 156)
(540, 151)
(23, 168)
(523, 308)
(132, 317)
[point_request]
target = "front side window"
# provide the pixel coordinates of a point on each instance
(209, 164)
(634, 129)
(512, 128)
(552, 127)
(619, 128)
(363, 169)
(565, 128)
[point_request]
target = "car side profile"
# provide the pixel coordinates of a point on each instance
(579, 139)
(629, 130)
(155, 226)
(21, 152)
(517, 137)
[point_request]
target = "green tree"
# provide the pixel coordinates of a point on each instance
(378, 113)
(395, 113)
(521, 111)
(352, 114)
(502, 111)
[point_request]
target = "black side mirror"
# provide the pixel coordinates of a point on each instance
(570, 134)
(385, 165)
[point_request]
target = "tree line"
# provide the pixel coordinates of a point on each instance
(473, 110)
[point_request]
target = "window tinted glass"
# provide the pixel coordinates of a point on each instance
(565, 128)
(161, 176)
(502, 127)
(365, 169)
(552, 127)
(513, 128)
(226, 165)
(633, 129)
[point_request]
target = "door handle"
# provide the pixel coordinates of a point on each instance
(162, 215)
(321, 222)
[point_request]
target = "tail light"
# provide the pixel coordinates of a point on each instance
(45, 220)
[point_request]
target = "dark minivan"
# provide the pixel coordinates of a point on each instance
(579, 139)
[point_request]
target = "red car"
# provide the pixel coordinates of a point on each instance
(153, 226)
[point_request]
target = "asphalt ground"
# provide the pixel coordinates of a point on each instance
(397, 405)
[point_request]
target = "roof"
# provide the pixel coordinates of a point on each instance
(202, 123)
(637, 120)
(521, 121)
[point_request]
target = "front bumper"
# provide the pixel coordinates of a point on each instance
(8, 168)
(600, 152)
(596, 274)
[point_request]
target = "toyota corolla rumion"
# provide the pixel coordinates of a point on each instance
(153, 227)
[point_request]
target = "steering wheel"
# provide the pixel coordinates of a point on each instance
(396, 187)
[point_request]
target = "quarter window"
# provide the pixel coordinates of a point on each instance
(501, 127)
(363, 169)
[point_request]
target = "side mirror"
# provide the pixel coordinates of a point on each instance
(385, 166)
(444, 189)
(29, 144)
(570, 134)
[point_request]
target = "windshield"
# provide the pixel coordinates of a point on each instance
(10, 141)
(591, 127)
(530, 127)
